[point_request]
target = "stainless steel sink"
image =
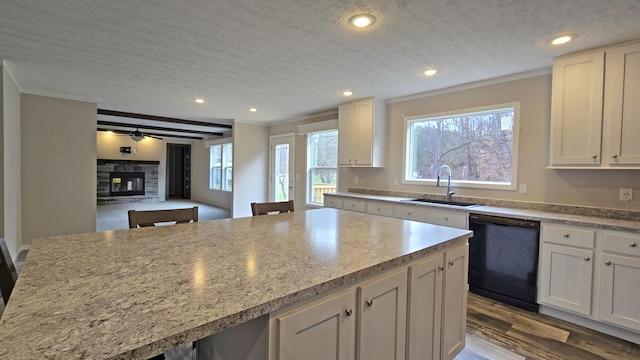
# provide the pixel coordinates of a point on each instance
(444, 202)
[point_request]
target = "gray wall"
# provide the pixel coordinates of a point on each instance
(11, 144)
(250, 167)
(58, 167)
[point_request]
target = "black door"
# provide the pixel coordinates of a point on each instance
(179, 171)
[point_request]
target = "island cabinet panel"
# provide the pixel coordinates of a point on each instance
(322, 330)
(454, 305)
(424, 309)
(382, 311)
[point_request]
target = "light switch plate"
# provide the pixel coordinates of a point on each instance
(626, 194)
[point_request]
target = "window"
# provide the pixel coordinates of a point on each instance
(221, 167)
(479, 145)
(322, 165)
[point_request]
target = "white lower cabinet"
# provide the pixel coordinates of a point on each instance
(448, 218)
(322, 330)
(425, 309)
(382, 311)
(410, 213)
(415, 312)
(566, 275)
(620, 280)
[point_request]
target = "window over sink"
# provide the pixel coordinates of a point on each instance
(480, 145)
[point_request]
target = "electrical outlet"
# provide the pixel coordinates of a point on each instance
(626, 194)
(522, 189)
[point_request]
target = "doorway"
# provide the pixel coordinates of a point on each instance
(281, 167)
(178, 171)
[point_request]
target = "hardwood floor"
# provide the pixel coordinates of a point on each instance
(497, 331)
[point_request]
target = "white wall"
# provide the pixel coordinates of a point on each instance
(250, 167)
(12, 159)
(200, 190)
(598, 188)
(58, 139)
(108, 147)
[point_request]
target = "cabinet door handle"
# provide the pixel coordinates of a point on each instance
(446, 218)
(608, 262)
(378, 209)
(440, 268)
(632, 244)
(369, 302)
(450, 263)
(566, 235)
(348, 312)
(586, 258)
(615, 156)
(408, 213)
(594, 156)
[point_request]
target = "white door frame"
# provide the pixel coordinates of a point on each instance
(288, 138)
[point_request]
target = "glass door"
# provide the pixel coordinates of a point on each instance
(281, 172)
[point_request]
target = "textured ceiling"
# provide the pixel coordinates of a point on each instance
(289, 58)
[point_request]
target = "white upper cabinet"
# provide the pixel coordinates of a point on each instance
(622, 105)
(595, 111)
(361, 133)
(576, 109)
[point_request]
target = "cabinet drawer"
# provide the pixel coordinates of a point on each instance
(378, 208)
(331, 202)
(566, 235)
(626, 244)
(411, 213)
(354, 205)
(447, 218)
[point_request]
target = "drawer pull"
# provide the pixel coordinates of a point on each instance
(566, 235)
(632, 244)
(450, 263)
(378, 209)
(348, 312)
(608, 262)
(586, 258)
(408, 213)
(446, 218)
(615, 156)
(594, 156)
(369, 302)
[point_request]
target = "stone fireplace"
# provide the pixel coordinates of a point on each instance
(123, 181)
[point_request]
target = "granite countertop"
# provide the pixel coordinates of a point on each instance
(131, 294)
(605, 220)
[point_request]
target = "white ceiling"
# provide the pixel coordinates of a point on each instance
(289, 58)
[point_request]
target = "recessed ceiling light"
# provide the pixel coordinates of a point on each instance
(563, 39)
(253, 109)
(347, 93)
(362, 20)
(430, 72)
(199, 100)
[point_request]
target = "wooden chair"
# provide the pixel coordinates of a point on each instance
(8, 273)
(152, 217)
(271, 207)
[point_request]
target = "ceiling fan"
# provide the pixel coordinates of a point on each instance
(138, 136)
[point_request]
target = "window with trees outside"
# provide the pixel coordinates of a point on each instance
(322, 165)
(221, 167)
(479, 145)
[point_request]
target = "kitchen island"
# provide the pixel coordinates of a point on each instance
(132, 294)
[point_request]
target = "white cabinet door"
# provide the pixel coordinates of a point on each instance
(566, 275)
(620, 291)
(382, 311)
(454, 302)
(324, 330)
(354, 205)
(333, 202)
(361, 133)
(347, 133)
(379, 208)
(425, 305)
(576, 110)
(622, 105)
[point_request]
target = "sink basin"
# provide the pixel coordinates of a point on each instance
(444, 202)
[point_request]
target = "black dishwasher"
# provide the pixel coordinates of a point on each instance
(503, 259)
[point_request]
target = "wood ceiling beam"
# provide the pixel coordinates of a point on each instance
(123, 132)
(161, 118)
(158, 128)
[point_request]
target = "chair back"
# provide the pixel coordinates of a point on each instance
(152, 217)
(271, 207)
(8, 273)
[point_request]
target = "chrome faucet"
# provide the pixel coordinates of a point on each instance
(450, 191)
